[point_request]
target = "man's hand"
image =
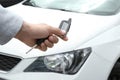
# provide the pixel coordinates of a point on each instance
(29, 33)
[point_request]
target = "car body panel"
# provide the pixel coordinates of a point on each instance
(88, 27)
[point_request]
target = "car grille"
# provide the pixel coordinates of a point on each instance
(8, 62)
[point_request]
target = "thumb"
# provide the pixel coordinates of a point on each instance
(59, 33)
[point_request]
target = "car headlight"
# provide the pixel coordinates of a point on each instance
(67, 62)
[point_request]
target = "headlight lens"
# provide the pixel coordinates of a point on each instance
(67, 62)
(59, 62)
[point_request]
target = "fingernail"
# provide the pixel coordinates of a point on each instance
(64, 37)
(63, 31)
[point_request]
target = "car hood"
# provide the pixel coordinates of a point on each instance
(84, 27)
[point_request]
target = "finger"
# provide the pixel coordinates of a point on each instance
(56, 31)
(48, 44)
(59, 33)
(42, 47)
(64, 37)
(53, 39)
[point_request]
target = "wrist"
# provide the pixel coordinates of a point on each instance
(23, 31)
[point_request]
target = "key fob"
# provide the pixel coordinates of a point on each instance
(64, 25)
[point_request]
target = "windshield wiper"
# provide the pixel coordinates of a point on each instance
(63, 10)
(30, 3)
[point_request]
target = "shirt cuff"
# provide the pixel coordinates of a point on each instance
(10, 24)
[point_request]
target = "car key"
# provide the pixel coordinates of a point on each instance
(64, 26)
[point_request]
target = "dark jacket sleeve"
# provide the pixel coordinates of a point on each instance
(10, 24)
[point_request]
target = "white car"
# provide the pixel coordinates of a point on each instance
(91, 53)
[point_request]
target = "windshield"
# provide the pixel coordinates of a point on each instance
(101, 7)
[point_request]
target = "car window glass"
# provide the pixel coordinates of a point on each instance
(103, 7)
